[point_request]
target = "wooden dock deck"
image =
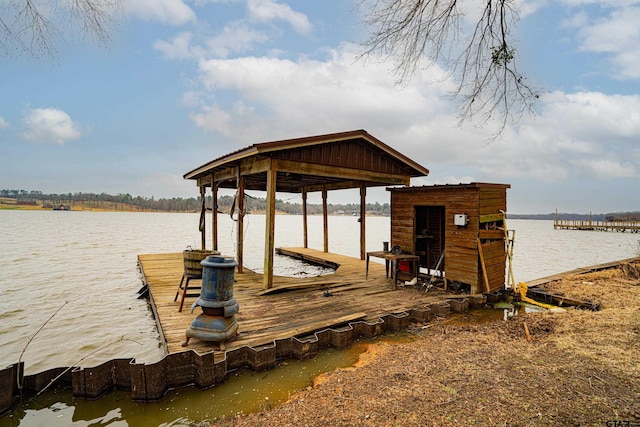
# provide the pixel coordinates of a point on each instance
(620, 226)
(293, 307)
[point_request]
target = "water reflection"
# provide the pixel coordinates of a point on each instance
(244, 391)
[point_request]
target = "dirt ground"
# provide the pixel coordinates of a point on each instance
(579, 368)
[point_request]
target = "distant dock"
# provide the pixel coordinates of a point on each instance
(619, 226)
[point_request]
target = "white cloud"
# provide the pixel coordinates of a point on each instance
(606, 169)
(171, 12)
(580, 135)
(191, 99)
(279, 98)
(179, 47)
(473, 11)
(50, 126)
(574, 136)
(528, 7)
(3, 123)
(577, 20)
(204, 2)
(601, 3)
(234, 38)
(213, 118)
(166, 185)
(616, 34)
(268, 10)
(314, 95)
(594, 116)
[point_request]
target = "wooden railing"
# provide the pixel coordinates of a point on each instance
(564, 224)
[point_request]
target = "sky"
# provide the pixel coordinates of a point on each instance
(180, 83)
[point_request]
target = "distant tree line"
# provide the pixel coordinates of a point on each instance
(258, 205)
(106, 201)
(623, 216)
(225, 203)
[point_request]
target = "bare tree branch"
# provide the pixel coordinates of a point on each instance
(97, 17)
(35, 27)
(483, 66)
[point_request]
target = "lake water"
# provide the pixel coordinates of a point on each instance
(77, 272)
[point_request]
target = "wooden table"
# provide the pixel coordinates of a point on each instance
(394, 259)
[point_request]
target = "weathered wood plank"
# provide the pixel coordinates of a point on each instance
(491, 234)
(293, 286)
(491, 218)
(265, 318)
(307, 258)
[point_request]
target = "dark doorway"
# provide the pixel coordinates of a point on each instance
(429, 235)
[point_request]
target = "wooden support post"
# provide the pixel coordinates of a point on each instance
(484, 267)
(269, 229)
(240, 233)
(214, 214)
(363, 215)
(325, 219)
(201, 225)
(304, 218)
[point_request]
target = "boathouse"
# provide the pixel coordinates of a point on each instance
(455, 229)
(464, 222)
(321, 163)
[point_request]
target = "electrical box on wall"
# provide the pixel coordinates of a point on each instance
(460, 220)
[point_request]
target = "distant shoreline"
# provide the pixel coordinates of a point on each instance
(135, 209)
(106, 206)
(77, 209)
(36, 200)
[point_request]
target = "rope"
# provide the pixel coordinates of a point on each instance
(522, 289)
(233, 206)
(202, 215)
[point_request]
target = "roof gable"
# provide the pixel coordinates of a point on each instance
(354, 153)
(340, 159)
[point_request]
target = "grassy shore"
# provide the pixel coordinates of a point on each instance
(576, 368)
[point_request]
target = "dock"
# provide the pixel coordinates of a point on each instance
(295, 319)
(619, 226)
(293, 307)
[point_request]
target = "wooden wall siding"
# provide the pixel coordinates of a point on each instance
(492, 201)
(462, 263)
(495, 259)
(353, 154)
